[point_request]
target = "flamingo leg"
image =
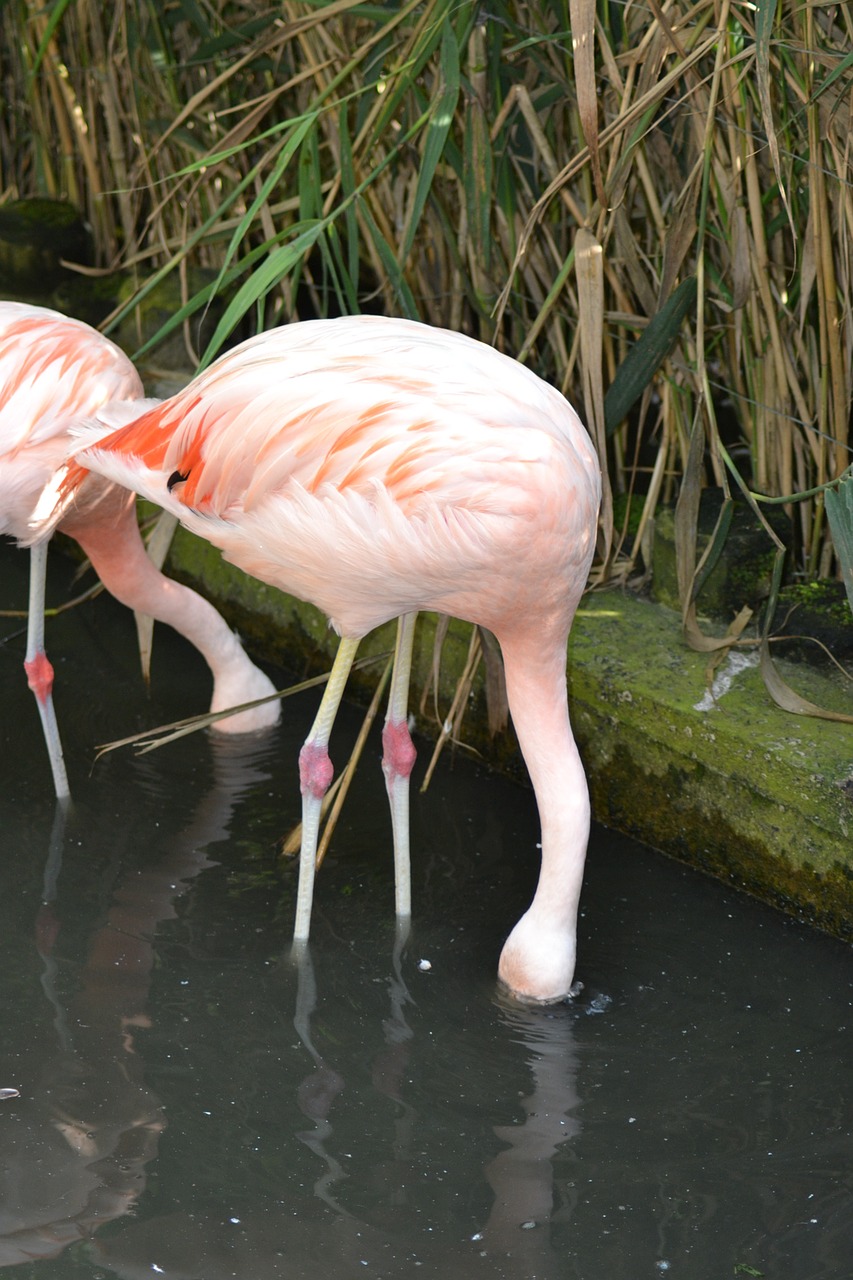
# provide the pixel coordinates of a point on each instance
(398, 758)
(315, 775)
(40, 672)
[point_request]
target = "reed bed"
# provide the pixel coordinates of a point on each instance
(650, 204)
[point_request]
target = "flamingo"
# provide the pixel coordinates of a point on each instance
(53, 369)
(377, 467)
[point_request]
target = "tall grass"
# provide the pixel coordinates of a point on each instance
(649, 203)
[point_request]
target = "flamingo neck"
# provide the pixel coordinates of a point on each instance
(539, 956)
(111, 539)
(114, 545)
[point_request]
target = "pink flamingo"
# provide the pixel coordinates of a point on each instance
(377, 467)
(53, 370)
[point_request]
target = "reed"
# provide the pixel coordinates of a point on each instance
(650, 204)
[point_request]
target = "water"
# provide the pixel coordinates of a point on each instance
(194, 1101)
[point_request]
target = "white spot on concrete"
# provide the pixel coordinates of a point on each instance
(736, 662)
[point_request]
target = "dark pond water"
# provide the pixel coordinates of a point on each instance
(195, 1103)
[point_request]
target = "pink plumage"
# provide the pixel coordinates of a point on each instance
(378, 467)
(53, 371)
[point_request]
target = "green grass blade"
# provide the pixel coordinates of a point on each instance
(348, 185)
(203, 296)
(275, 267)
(305, 128)
(391, 265)
(765, 16)
(839, 511)
(441, 119)
(714, 548)
(838, 72)
(52, 23)
(648, 354)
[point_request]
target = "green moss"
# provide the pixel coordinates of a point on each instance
(630, 506)
(743, 573)
(725, 830)
(744, 791)
(89, 298)
(37, 218)
(36, 234)
(818, 610)
(159, 306)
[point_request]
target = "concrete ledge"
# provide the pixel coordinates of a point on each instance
(751, 794)
(754, 795)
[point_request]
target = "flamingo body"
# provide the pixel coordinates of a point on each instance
(54, 370)
(378, 467)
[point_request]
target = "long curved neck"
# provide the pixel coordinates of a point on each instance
(112, 541)
(536, 688)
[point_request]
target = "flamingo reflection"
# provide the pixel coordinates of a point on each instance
(318, 1235)
(80, 1130)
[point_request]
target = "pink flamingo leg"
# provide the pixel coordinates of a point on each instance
(315, 775)
(398, 759)
(40, 672)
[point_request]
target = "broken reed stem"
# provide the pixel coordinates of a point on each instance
(452, 724)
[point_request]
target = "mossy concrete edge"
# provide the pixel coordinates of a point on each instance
(755, 796)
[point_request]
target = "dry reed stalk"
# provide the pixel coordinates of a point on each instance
(424, 160)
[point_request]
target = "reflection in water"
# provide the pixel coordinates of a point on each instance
(318, 1091)
(391, 1063)
(522, 1176)
(316, 1238)
(80, 1142)
(77, 1140)
(47, 924)
(387, 1121)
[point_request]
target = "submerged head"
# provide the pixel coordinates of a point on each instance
(537, 963)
